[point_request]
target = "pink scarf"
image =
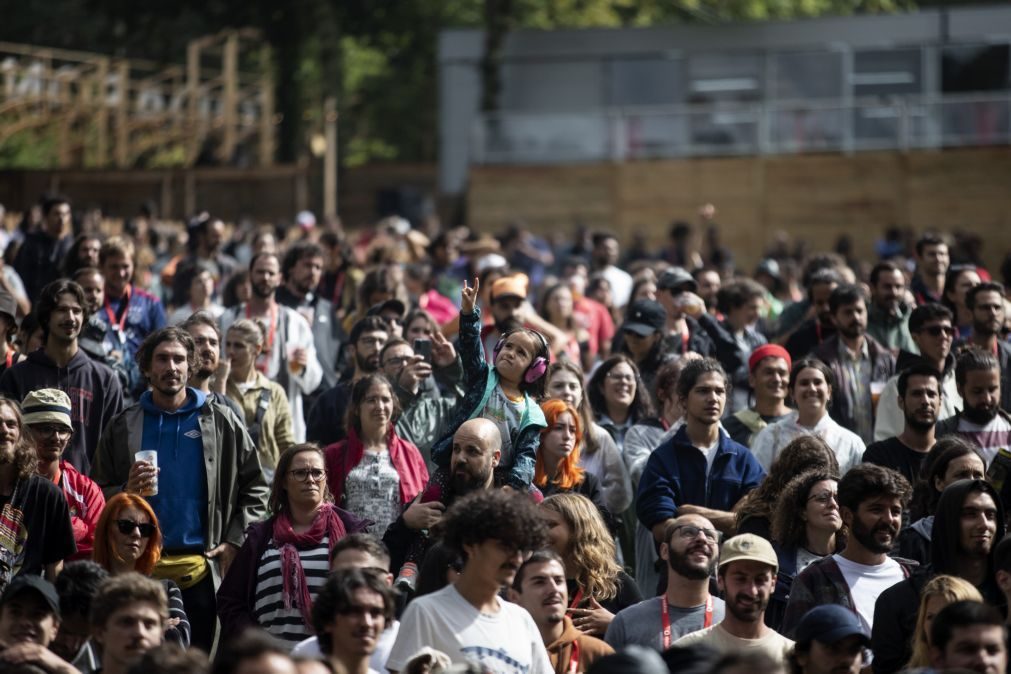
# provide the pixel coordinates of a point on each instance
(295, 590)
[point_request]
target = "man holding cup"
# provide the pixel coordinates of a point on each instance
(208, 478)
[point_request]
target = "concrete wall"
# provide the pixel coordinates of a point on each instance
(816, 197)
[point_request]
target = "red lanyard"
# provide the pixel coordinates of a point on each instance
(119, 325)
(264, 359)
(574, 658)
(685, 334)
(665, 619)
(578, 598)
(10, 357)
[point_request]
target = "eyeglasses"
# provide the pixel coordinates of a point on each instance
(621, 378)
(689, 532)
(126, 528)
(938, 330)
(397, 361)
(303, 474)
(51, 429)
(824, 497)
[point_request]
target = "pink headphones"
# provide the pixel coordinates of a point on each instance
(538, 367)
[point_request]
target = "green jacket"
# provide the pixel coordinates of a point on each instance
(236, 488)
(891, 331)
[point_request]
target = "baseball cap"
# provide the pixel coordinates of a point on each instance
(510, 286)
(30, 583)
(394, 304)
(769, 351)
(829, 624)
(47, 405)
(748, 547)
(644, 317)
(676, 278)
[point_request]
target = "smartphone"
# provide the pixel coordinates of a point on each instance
(423, 348)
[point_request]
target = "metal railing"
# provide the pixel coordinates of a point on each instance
(781, 127)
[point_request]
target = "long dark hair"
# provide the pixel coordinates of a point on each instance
(642, 404)
(935, 465)
(358, 392)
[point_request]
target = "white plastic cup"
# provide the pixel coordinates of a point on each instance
(151, 457)
(876, 388)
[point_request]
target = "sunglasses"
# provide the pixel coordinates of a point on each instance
(126, 528)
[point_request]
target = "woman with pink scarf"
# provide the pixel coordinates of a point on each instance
(285, 559)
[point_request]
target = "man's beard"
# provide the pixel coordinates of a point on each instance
(680, 565)
(919, 426)
(986, 328)
(263, 291)
(756, 612)
(203, 373)
(853, 331)
(464, 482)
(980, 416)
(865, 536)
(366, 364)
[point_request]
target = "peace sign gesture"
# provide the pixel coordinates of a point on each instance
(469, 297)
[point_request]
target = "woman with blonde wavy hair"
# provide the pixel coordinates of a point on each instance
(937, 593)
(598, 587)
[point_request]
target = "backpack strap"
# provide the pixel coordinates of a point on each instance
(261, 410)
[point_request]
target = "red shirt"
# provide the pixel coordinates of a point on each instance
(86, 501)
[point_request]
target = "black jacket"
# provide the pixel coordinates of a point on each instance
(40, 260)
(896, 608)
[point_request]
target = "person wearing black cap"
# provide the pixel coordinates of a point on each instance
(29, 621)
(392, 311)
(682, 332)
(643, 342)
(830, 640)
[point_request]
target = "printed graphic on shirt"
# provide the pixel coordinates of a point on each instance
(495, 659)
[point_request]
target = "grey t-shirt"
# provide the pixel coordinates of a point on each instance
(641, 623)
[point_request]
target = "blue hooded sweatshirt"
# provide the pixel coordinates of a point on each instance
(181, 503)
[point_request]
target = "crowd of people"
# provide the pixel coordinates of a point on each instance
(257, 449)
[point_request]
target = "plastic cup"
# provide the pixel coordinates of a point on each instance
(151, 457)
(876, 388)
(294, 367)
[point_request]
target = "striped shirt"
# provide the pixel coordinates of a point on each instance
(287, 624)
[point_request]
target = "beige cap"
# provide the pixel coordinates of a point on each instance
(46, 406)
(748, 547)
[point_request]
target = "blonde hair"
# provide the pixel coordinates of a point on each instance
(249, 331)
(951, 589)
(591, 547)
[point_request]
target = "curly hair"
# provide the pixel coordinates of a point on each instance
(104, 552)
(951, 589)
(569, 474)
(591, 546)
(492, 515)
(867, 481)
(806, 452)
(642, 405)
(789, 529)
(25, 459)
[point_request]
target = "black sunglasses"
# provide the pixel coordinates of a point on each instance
(126, 528)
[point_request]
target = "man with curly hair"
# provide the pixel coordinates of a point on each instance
(491, 530)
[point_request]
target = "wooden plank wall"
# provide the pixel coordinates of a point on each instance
(817, 197)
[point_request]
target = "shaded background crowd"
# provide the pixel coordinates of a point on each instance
(317, 400)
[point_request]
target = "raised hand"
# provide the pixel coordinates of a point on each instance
(469, 296)
(443, 353)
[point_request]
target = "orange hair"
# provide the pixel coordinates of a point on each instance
(104, 552)
(569, 473)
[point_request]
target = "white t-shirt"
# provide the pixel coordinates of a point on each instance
(710, 454)
(506, 642)
(993, 436)
(868, 582)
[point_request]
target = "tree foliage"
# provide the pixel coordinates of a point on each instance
(378, 58)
